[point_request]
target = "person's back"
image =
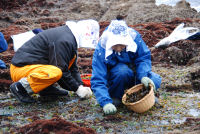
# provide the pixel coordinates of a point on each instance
(43, 48)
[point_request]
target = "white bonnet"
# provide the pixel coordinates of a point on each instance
(118, 32)
(86, 32)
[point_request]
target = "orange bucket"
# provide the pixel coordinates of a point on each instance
(86, 79)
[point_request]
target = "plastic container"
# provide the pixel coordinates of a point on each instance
(143, 104)
(86, 79)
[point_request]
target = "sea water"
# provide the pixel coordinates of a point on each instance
(193, 3)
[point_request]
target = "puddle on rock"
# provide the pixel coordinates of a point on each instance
(179, 121)
(194, 112)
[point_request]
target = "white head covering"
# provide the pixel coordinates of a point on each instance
(20, 39)
(86, 32)
(118, 33)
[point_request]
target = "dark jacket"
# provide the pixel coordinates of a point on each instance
(56, 46)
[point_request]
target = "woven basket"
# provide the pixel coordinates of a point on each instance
(142, 105)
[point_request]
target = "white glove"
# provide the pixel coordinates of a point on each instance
(109, 108)
(84, 92)
(146, 81)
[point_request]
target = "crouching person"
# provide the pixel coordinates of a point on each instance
(50, 57)
(120, 61)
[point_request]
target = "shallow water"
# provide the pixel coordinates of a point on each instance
(194, 112)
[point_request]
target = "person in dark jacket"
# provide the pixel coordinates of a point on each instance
(50, 57)
(3, 47)
(120, 61)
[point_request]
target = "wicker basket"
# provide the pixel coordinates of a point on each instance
(142, 105)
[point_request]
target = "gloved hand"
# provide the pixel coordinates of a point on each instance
(146, 81)
(109, 109)
(84, 92)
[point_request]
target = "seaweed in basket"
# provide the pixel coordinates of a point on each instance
(136, 96)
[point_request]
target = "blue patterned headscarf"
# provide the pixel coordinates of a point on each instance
(118, 32)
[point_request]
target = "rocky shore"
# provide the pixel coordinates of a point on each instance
(179, 64)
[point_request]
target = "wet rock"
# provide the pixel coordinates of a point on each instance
(195, 59)
(195, 78)
(175, 53)
(46, 25)
(45, 12)
(11, 4)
